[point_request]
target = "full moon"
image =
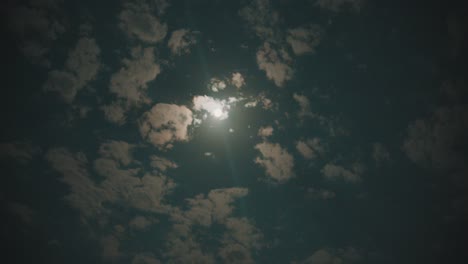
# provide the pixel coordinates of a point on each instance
(217, 113)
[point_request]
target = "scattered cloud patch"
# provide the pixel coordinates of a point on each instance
(165, 124)
(380, 153)
(304, 105)
(217, 108)
(320, 194)
(277, 161)
(237, 80)
(216, 85)
(180, 41)
(265, 132)
(304, 39)
(275, 63)
(137, 20)
(162, 164)
(339, 5)
(310, 148)
(18, 150)
(82, 65)
(335, 172)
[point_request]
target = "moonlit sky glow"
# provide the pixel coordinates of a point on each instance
(253, 131)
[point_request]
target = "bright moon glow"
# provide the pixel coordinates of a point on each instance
(217, 113)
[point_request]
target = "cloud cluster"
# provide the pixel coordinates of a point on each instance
(334, 256)
(162, 164)
(18, 150)
(265, 132)
(380, 153)
(304, 105)
(137, 20)
(277, 161)
(165, 124)
(216, 85)
(180, 41)
(82, 65)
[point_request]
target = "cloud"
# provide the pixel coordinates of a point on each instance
(380, 153)
(437, 142)
(117, 150)
(276, 64)
(265, 131)
(215, 107)
(18, 150)
(24, 213)
(165, 124)
(140, 223)
(110, 248)
(310, 148)
(304, 105)
(37, 26)
(216, 85)
(339, 5)
(304, 39)
(261, 18)
(336, 172)
(237, 80)
(180, 41)
(277, 161)
(130, 82)
(84, 195)
(137, 20)
(115, 112)
(162, 164)
(216, 207)
(81, 67)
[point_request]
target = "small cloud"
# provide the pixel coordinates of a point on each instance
(18, 150)
(145, 258)
(137, 20)
(162, 164)
(81, 67)
(304, 105)
(277, 161)
(165, 124)
(140, 223)
(216, 85)
(215, 107)
(336, 172)
(304, 39)
(180, 41)
(265, 132)
(310, 148)
(380, 153)
(275, 63)
(23, 212)
(320, 194)
(237, 80)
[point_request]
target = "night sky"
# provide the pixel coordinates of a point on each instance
(218, 131)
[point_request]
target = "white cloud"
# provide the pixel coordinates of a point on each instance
(336, 172)
(138, 21)
(310, 148)
(216, 85)
(277, 161)
(165, 124)
(180, 41)
(81, 67)
(338, 5)
(304, 39)
(322, 256)
(120, 151)
(265, 131)
(162, 164)
(115, 112)
(237, 80)
(276, 64)
(130, 82)
(215, 107)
